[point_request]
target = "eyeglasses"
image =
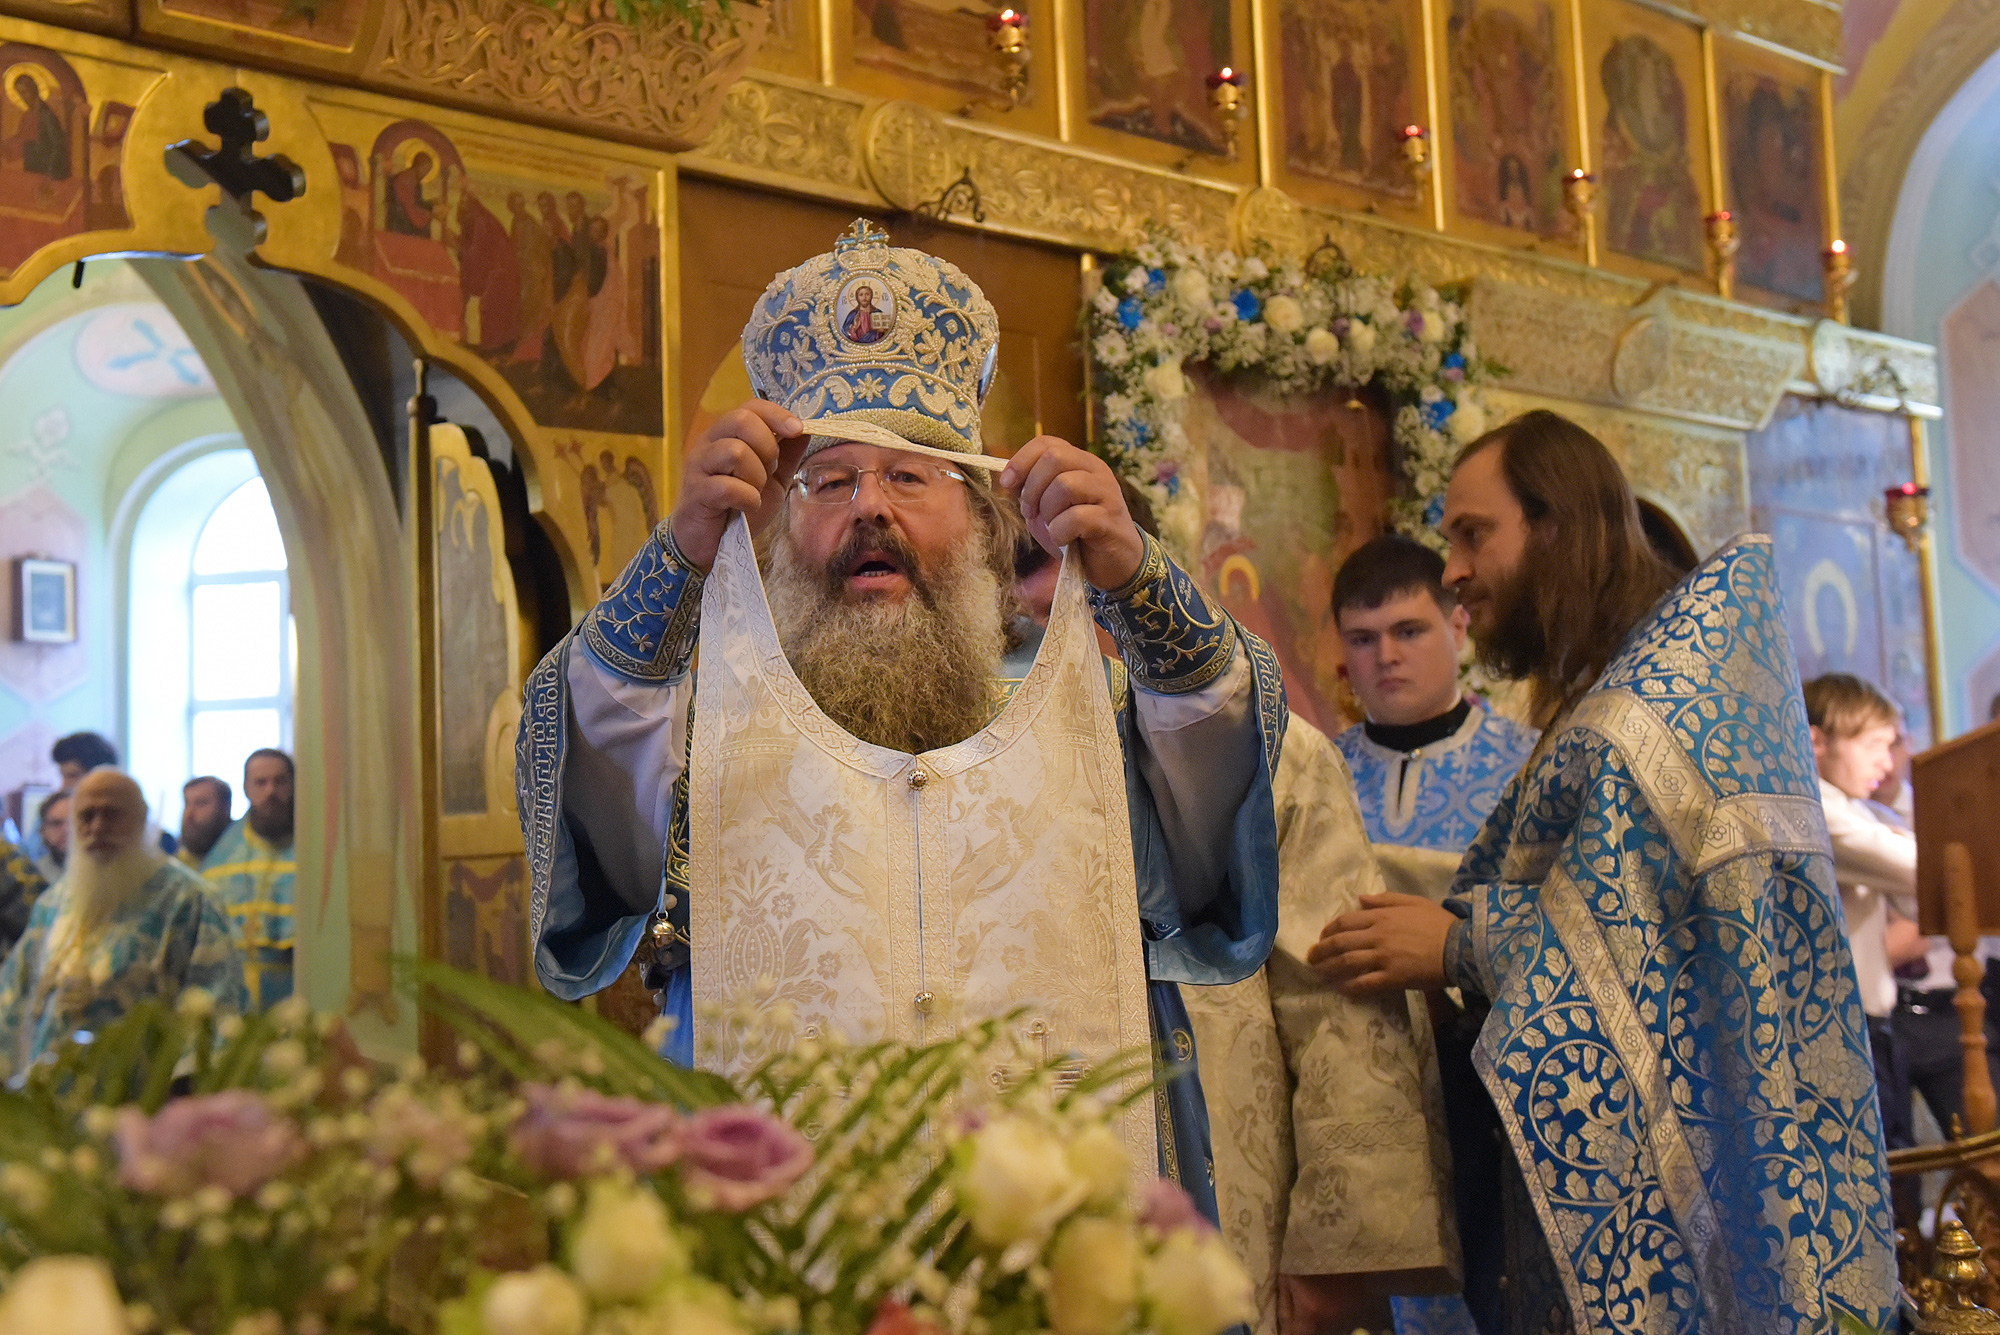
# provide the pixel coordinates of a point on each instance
(911, 482)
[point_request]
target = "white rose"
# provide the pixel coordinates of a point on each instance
(1468, 423)
(1361, 338)
(1017, 1183)
(1434, 328)
(63, 1295)
(623, 1245)
(1166, 382)
(542, 1301)
(1284, 314)
(1195, 1287)
(1098, 1157)
(1093, 1277)
(1321, 346)
(1191, 286)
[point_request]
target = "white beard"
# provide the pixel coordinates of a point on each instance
(99, 888)
(912, 676)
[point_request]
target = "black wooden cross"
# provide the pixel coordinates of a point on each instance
(235, 120)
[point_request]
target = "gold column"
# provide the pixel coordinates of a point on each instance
(1713, 93)
(1830, 175)
(1059, 59)
(1920, 473)
(1263, 64)
(1433, 77)
(1585, 220)
(826, 12)
(1088, 280)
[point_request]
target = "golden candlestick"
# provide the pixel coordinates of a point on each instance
(1945, 1299)
(1007, 37)
(1225, 95)
(1417, 153)
(1838, 262)
(1580, 199)
(1908, 511)
(1723, 243)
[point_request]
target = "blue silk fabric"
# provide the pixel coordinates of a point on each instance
(1458, 781)
(1676, 1047)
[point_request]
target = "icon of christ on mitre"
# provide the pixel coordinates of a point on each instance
(878, 792)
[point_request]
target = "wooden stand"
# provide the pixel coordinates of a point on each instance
(1961, 910)
(1956, 790)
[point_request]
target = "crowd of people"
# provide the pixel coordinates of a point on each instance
(1597, 1021)
(114, 911)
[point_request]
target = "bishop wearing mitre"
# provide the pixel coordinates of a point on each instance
(877, 794)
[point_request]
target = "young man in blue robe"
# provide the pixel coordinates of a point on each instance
(1679, 1089)
(869, 772)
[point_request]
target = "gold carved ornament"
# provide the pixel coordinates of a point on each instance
(660, 80)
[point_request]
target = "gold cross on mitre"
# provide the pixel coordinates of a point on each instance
(862, 233)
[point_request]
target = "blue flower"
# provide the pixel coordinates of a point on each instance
(1141, 433)
(1455, 360)
(1129, 313)
(1437, 414)
(1248, 305)
(1173, 486)
(1434, 512)
(1156, 280)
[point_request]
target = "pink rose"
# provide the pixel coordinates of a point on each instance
(736, 1157)
(572, 1133)
(230, 1140)
(1165, 1208)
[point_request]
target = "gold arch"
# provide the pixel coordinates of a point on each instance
(1828, 575)
(1239, 564)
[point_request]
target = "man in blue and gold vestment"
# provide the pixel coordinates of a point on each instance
(1669, 1040)
(882, 817)
(253, 871)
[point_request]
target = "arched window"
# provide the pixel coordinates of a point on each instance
(239, 635)
(212, 649)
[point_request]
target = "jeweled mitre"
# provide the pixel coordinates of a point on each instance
(878, 344)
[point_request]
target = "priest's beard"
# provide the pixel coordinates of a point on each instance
(1516, 644)
(273, 824)
(100, 887)
(913, 675)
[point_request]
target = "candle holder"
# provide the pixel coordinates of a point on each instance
(1723, 243)
(1580, 199)
(1838, 264)
(1225, 96)
(1007, 38)
(1416, 142)
(1908, 511)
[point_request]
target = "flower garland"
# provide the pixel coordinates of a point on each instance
(1297, 328)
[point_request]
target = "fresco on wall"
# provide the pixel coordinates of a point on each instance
(1853, 601)
(556, 288)
(335, 23)
(940, 42)
(1146, 67)
(1508, 145)
(1646, 167)
(59, 173)
(1969, 348)
(138, 350)
(621, 502)
(1291, 486)
(1772, 142)
(485, 917)
(1348, 90)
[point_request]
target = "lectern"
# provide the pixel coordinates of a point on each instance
(1955, 789)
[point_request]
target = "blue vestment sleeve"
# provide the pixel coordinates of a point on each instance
(1227, 938)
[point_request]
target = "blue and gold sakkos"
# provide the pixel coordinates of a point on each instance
(1676, 1047)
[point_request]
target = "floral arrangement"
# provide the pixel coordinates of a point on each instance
(182, 1175)
(1295, 326)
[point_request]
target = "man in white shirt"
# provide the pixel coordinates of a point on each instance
(1854, 731)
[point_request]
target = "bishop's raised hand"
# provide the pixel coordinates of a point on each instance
(742, 461)
(1070, 496)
